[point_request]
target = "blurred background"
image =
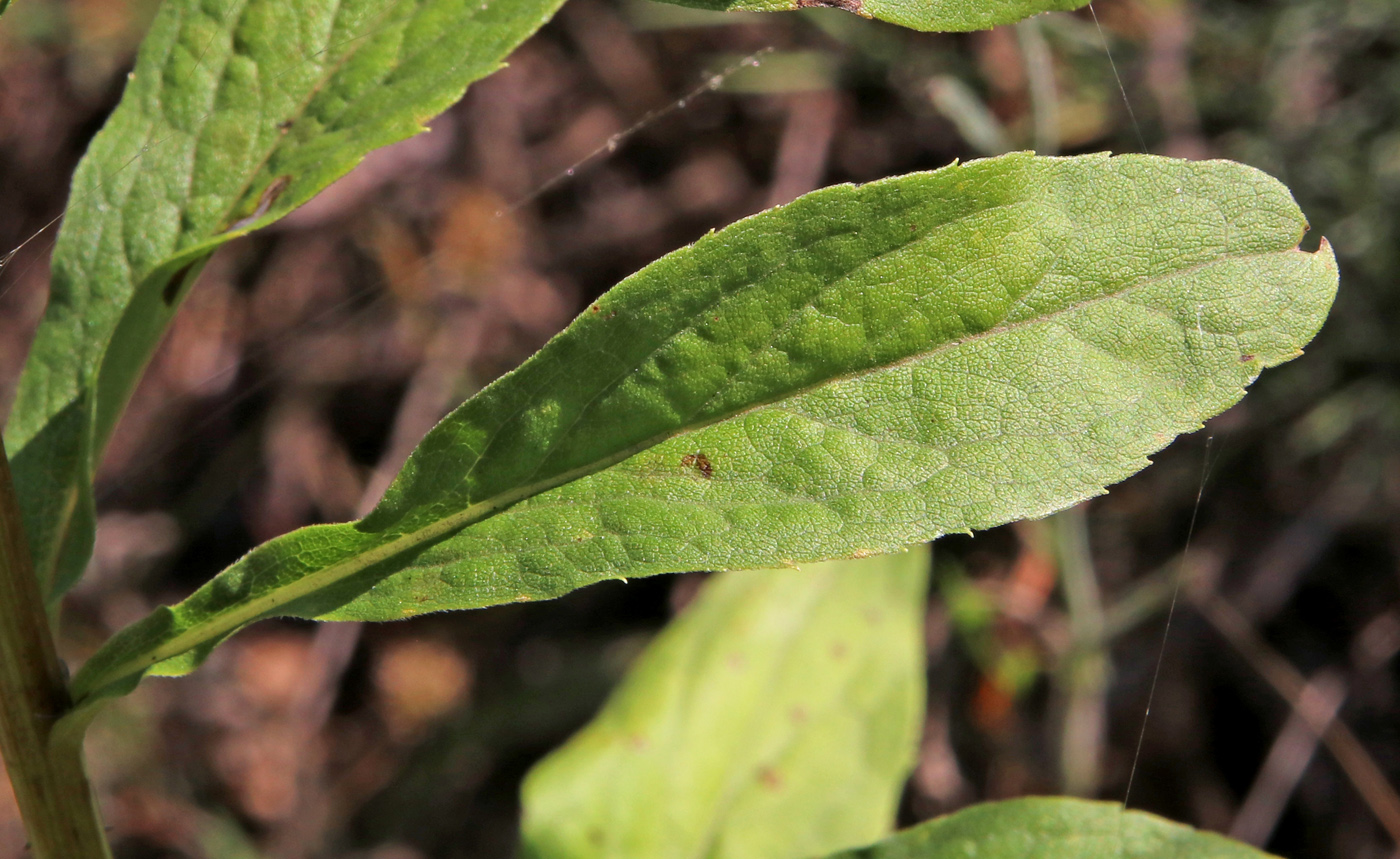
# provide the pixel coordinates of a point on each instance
(312, 356)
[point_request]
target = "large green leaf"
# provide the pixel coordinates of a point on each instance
(863, 369)
(1053, 828)
(932, 15)
(778, 717)
(237, 112)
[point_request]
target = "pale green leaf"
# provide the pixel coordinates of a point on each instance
(932, 15)
(866, 368)
(237, 112)
(778, 717)
(1053, 828)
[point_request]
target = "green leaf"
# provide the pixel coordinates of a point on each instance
(931, 15)
(866, 368)
(1053, 828)
(778, 717)
(238, 111)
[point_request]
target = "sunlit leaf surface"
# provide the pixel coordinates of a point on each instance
(866, 368)
(237, 112)
(935, 15)
(1053, 828)
(778, 717)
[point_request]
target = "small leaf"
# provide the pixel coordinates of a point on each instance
(1053, 828)
(866, 368)
(778, 717)
(931, 15)
(237, 112)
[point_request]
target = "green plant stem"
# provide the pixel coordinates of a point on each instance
(1087, 668)
(50, 784)
(1040, 77)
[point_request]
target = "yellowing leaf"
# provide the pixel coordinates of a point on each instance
(778, 717)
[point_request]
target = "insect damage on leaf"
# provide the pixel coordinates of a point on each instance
(848, 5)
(700, 463)
(269, 196)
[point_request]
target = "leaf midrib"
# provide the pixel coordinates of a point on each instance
(778, 331)
(157, 120)
(154, 122)
(230, 619)
(329, 71)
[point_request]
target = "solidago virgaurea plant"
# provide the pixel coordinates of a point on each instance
(857, 372)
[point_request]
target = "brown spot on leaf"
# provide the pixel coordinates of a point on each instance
(595, 308)
(798, 716)
(849, 5)
(265, 201)
(770, 778)
(701, 463)
(1245, 359)
(271, 193)
(838, 650)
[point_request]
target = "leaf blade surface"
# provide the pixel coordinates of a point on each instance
(863, 369)
(929, 15)
(1052, 828)
(237, 112)
(778, 717)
